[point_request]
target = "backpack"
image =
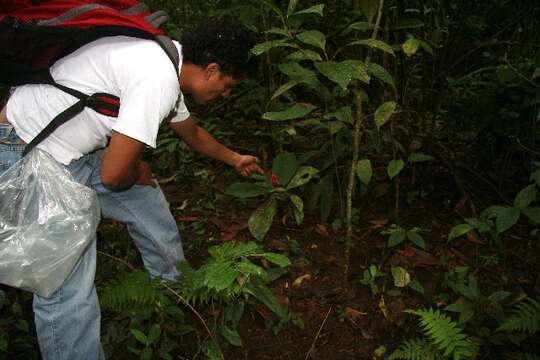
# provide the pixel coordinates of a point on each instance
(36, 33)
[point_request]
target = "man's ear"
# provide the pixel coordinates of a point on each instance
(212, 69)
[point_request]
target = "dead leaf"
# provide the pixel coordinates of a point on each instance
(473, 237)
(322, 230)
(188, 218)
(299, 280)
(383, 308)
(379, 223)
(284, 301)
(265, 264)
(415, 257)
(353, 315)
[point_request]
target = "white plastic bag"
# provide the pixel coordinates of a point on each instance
(46, 222)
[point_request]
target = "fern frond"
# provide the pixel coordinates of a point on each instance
(525, 318)
(525, 356)
(415, 349)
(446, 334)
(130, 291)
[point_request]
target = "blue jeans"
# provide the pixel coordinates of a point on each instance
(68, 323)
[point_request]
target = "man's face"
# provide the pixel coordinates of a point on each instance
(212, 84)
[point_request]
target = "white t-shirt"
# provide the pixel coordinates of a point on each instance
(137, 71)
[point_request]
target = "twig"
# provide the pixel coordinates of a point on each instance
(318, 334)
(182, 300)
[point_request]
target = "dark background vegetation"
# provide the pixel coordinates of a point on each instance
(446, 224)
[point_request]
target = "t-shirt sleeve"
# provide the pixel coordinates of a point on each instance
(149, 89)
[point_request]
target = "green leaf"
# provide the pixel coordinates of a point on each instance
(154, 334)
(267, 45)
(459, 230)
(139, 335)
(401, 277)
(416, 239)
(361, 25)
(376, 44)
(396, 237)
(277, 259)
(506, 218)
(344, 115)
(270, 4)
(284, 88)
(291, 7)
(364, 171)
(298, 208)
(278, 31)
(536, 73)
(343, 72)
(285, 166)
(246, 267)
(380, 73)
(146, 354)
(302, 176)
(499, 296)
(526, 197)
(408, 24)
(417, 286)
(369, 8)
(419, 157)
(296, 72)
(533, 213)
(231, 335)
(315, 9)
(296, 111)
(304, 54)
(220, 275)
(263, 294)
(245, 190)
(313, 37)
(410, 47)
(384, 112)
(395, 167)
(261, 219)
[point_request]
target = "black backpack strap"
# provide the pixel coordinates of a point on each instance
(102, 103)
(170, 49)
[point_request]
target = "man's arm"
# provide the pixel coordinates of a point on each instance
(201, 141)
(120, 164)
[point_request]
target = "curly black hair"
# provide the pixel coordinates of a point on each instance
(223, 42)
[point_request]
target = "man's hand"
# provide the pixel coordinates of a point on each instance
(145, 175)
(247, 165)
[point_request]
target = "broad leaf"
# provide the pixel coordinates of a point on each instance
(296, 72)
(285, 87)
(278, 31)
(417, 286)
(261, 219)
(373, 43)
(506, 218)
(302, 176)
(526, 197)
(380, 73)
(245, 190)
(220, 275)
(361, 25)
(384, 112)
(231, 335)
(265, 46)
(395, 167)
(536, 73)
(419, 157)
(344, 115)
(396, 237)
(369, 8)
(277, 259)
(298, 208)
(154, 334)
(291, 7)
(263, 294)
(408, 24)
(343, 72)
(364, 171)
(410, 47)
(533, 213)
(294, 112)
(285, 166)
(313, 37)
(459, 230)
(271, 5)
(315, 9)
(401, 276)
(304, 54)
(139, 335)
(416, 239)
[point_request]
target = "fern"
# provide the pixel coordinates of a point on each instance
(415, 349)
(525, 318)
(446, 334)
(130, 291)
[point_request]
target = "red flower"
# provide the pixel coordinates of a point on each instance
(274, 179)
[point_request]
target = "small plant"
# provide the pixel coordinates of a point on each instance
(397, 235)
(287, 174)
(370, 276)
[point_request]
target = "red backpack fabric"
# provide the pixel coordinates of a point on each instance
(36, 33)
